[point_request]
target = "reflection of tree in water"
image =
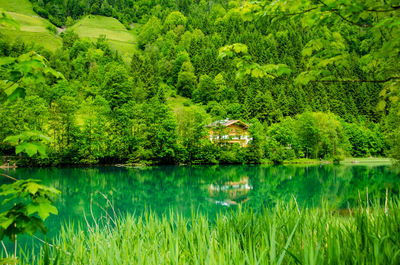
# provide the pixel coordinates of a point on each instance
(188, 188)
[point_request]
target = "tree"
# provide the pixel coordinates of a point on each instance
(149, 32)
(117, 86)
(94, 137)
(309, 135)
(192, 134)
(186, 80)
(174, 19)
(379, 19)
(256, 149)
(157, 130)
(205, 91)
(392, 124)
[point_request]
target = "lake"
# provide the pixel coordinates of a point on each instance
(206, 189)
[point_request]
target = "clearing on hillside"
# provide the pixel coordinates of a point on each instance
(32, 27)
(118, 36)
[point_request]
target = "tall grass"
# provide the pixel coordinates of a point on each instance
(284, 234)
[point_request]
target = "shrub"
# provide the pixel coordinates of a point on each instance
(52, 29)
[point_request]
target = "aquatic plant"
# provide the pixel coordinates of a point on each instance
(285, 234)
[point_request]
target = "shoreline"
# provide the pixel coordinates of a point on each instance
(300, 161)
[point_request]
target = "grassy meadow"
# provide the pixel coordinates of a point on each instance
(33, 29)
(284, 234)
(118, 36)
(18, 6)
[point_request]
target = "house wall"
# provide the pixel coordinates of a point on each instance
(232, 134)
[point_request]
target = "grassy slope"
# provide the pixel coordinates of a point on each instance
(32, 27)
(18, 6)
(118, 36)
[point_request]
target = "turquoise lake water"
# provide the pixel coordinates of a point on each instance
(205, 189)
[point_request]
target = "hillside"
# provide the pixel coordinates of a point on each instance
(309, 91)
(32, 27)
(119, 38)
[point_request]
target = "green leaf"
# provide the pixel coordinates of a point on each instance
(28, 66)
(6, 60)
(32, 187)
(11, 89)
(43, 209)
(29, 148)
(257, 73)
(30, 142)
(12, 139)
(14, 92)
(46, 210)
(304, 78)
(240, 48)
(41, 150)
(48, 70)
(6, 222)
(283, 70)
(289, 240)
(33, 225)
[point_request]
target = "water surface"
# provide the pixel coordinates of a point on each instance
(205, 189)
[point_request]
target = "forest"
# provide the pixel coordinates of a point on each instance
(128, 84)
(312, 80)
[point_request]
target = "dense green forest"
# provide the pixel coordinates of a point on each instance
(313, 82)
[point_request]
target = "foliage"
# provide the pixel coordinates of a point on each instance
(29, 142)
(377, 19)
(258, 62)
(27, 70)
(28, 196)
(310, 135)
(29, 200)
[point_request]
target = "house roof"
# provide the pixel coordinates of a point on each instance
(226, 123)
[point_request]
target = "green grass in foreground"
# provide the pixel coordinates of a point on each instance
(119, 37)
(282, 235)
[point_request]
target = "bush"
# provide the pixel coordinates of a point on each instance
(56, 21)
(41, 11)
(69, 22)
(173, 94)
(52, 29)
(337, 158)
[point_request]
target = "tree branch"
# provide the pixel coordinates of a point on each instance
(337, 12)
(302, 12)
(7, 176)
(357, 80)
(394, 8)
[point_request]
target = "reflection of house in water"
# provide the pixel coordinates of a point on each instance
(230, 192)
